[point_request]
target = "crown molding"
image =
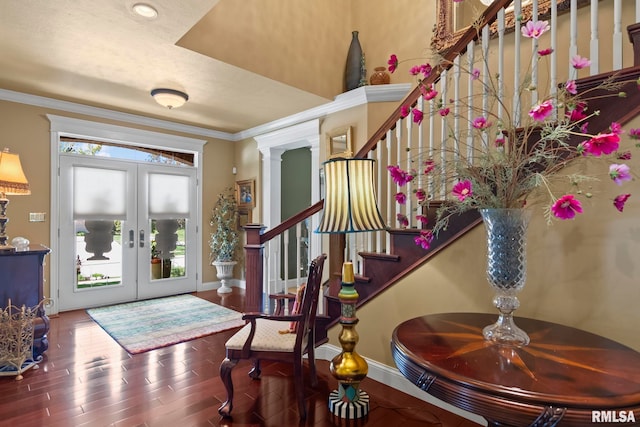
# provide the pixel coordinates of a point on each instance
(344, 101)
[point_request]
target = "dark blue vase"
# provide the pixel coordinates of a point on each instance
(353, 70)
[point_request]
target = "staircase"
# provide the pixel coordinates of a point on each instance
(384, 258)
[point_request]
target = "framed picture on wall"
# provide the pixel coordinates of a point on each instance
(244, 218)
(246, 194)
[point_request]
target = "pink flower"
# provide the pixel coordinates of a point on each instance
(578, 62)
(584, 127)
(393, 63)
(444, 112)
(462, 190)
(404, 111)
(415, 70)
(545, 52)
(571, 87)
(480, 123)
(566, 207)
(625, 155)
(616, 128)
(541, 111)
(475, 74)
(425, 69)
(417, 116)
(603, 143)
(402, 220)
(423, 219)
(619, 173)
(429, 165)
(421, 195)
(534, 29)
(401, 198)
(399, 176)
(428, 93)
(425, 238)
(500, 141)
(620, 200)
(577, 113)
(634, 133)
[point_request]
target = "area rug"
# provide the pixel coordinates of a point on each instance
(146, 325)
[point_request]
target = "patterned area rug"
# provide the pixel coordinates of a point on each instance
(146, 325)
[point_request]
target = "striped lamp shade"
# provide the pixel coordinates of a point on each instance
(350, 203)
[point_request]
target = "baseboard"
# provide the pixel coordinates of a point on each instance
(393, 378)
(210, 286)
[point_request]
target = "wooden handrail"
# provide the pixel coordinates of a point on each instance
(290, 222)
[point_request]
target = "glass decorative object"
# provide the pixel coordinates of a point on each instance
(506, 269)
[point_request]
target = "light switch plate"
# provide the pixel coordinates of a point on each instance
(37, 217)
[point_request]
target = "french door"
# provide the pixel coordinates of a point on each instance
(127, 231)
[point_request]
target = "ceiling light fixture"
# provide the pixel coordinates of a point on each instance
(169, 98)
(145, 10)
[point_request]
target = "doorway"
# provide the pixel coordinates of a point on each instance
(127, 231)
(124, 227)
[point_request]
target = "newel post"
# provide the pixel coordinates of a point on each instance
(634, 38)
(253, 264)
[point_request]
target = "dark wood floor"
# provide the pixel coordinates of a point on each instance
(87, 379)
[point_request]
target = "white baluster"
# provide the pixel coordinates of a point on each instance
(573, 38)
(470, 61)
(516, 66)
(593, 44)
(534, 57)
(617, 34)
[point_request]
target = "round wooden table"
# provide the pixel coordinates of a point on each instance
(565, 376)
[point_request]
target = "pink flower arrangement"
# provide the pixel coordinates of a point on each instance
(518, 159)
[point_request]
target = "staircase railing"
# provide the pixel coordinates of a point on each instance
(489, 37)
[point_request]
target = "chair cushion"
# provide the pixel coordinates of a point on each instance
(266, 338)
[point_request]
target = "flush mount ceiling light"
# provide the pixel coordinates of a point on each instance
(145, 10)
(169, 98)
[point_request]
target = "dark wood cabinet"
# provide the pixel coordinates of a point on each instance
(22, 281)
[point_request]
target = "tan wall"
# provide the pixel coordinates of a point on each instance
(26, 132)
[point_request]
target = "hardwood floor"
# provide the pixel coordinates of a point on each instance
(87, 379)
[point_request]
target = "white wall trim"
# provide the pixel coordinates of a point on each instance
(127, 136)
(234, 283)
(393, 378)
(353, 98)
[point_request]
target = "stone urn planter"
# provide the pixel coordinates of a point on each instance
(224, 271)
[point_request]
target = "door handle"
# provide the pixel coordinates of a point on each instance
(142, 238)
(132, 236)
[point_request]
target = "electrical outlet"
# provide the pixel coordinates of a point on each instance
(37, 217)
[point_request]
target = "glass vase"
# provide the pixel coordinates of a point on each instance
(506, 269)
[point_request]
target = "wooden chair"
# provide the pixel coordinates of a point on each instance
(263, 339)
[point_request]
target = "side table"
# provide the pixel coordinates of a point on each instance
(565, 376)
(22, 281)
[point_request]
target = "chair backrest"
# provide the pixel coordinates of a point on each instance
(310, 298)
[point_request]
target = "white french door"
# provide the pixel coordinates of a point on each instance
(127, 231)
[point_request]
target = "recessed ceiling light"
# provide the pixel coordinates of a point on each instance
(145, 10)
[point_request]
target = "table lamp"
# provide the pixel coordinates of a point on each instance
(12, 182)
(350, 206)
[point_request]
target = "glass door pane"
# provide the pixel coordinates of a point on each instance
(168, 209)
(98, 252)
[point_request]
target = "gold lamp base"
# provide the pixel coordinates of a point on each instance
(348, 367)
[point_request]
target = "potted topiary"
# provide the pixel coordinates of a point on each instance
(224, 237)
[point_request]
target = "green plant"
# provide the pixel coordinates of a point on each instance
(224, 221)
